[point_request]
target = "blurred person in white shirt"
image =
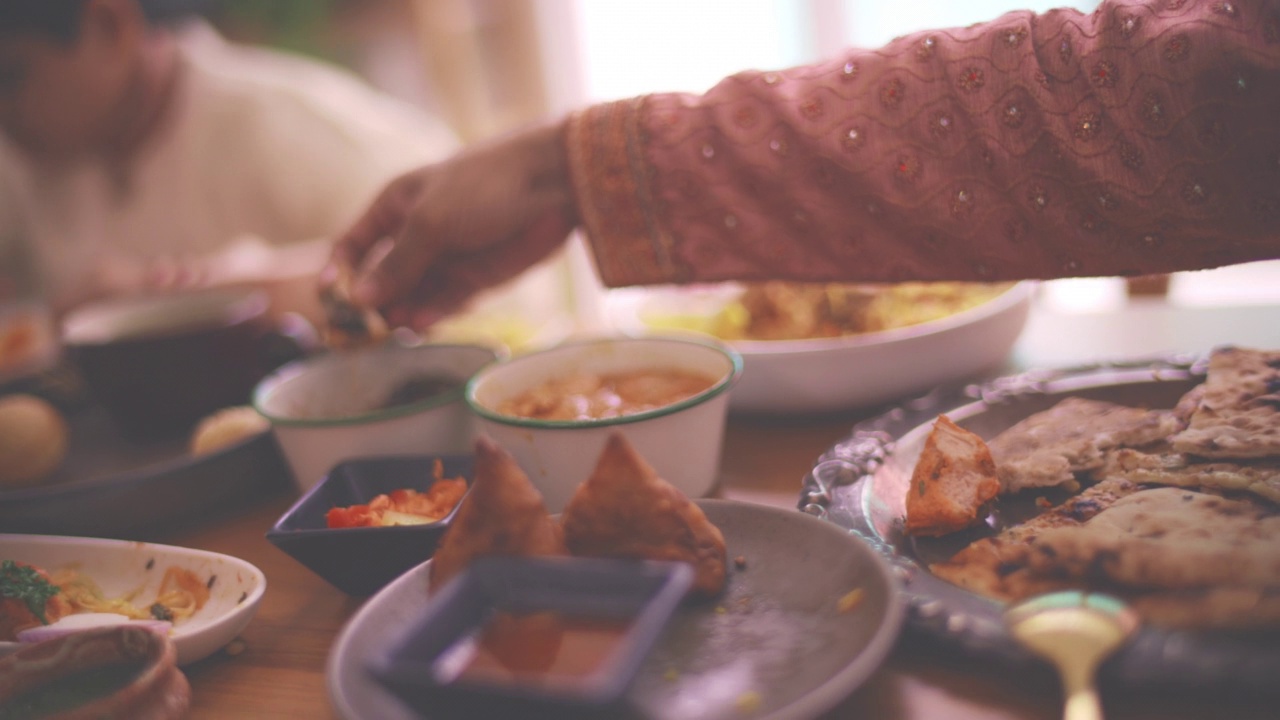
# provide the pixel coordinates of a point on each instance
(142, 152)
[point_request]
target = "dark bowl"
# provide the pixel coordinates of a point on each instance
(160, 364)
(637, 598)
(360, 561)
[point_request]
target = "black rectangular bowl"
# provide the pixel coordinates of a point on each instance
(360, 561)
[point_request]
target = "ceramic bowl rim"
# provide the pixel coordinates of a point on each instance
(237, 308)
(273, 382)
(1017, 293)
(721, 386)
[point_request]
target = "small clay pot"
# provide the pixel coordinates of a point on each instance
(157, 691)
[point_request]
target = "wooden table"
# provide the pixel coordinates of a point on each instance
(280, 672)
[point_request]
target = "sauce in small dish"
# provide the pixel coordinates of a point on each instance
(540, 648)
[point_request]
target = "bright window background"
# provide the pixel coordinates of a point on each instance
(629, 48)
(870, 24)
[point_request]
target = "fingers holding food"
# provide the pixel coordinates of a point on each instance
(348, 324)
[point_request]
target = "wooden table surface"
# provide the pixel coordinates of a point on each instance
(279, 671)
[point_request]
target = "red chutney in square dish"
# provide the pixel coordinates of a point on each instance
(403, 507)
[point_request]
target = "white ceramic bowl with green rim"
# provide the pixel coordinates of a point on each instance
(682, 440)
(341, 405)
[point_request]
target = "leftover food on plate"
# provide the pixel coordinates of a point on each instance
(33, 440)
(1177, 517)
(778, 310)
(405, 506)
(623, 510)
(36, 604)
(590, 396)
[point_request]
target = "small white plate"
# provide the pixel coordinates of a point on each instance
(776, 638)
(120, 567)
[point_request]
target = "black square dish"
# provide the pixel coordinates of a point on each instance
(576, 633)
(360, 561)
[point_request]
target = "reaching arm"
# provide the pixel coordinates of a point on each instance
(1142, 138)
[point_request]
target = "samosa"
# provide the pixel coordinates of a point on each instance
(503, 514)
(625, 510)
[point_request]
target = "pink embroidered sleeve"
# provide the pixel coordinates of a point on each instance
(1142, 138)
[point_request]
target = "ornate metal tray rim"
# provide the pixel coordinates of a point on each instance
(836, 489)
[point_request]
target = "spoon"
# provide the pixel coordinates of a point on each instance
(1076, 631)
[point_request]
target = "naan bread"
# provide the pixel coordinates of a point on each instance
(1167, 538)
(1259, 477)
(503, 514)
(1048, 448)
(1227, 608)
(953, 480)
(998, 566)
(1181, 553)
(624, 510)
(1239, 412)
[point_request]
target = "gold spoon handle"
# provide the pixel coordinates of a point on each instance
(1082, 704)
(1082, 696)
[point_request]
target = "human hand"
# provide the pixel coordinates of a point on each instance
(455, 228)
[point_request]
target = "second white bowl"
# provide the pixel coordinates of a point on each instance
(682, 441)
(327, 409)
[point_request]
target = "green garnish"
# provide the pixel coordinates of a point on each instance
(23, 582)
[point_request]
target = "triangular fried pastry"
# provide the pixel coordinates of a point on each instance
(503, 514)
(624, 510)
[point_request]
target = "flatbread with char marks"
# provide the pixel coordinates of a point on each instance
(1258, 477)
(1167, 538)
(998, 566)
(1238, 415)
(1048, 448)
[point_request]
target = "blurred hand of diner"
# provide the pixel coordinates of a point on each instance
(436, 236)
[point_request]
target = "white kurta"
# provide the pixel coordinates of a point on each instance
(262, 150)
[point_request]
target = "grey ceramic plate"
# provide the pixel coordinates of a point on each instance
(776, 631)
(860, 484)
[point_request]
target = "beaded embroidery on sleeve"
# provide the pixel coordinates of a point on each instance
(1142, 138)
